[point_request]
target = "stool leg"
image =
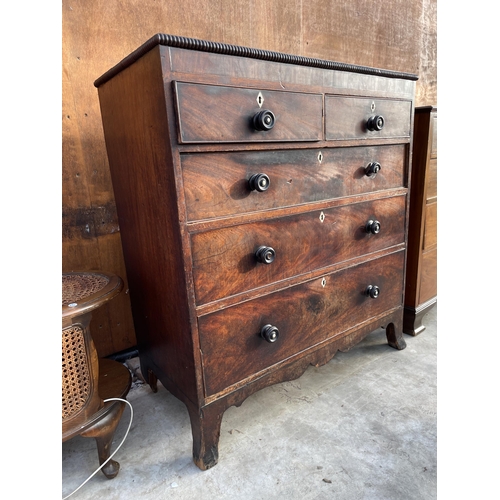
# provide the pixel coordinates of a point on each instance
(103, 432)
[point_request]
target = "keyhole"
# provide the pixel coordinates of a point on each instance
(323, 282)
(321, 216)
(320, 157)
(373, 107)
(260, 99)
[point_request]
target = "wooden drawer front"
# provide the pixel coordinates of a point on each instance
(217, 184)
(209, 113)
(305, 315)
(430, 230)
(428, 276)
(224, 261)
(347, 118)
(431, 192)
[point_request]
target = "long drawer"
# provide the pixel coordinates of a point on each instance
(226, 260)
(233, 347)
(218, 184)
(212, 113)
(351, 118)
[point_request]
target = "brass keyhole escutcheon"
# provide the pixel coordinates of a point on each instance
(320, 157)
(260, 99)
(323, 282)
(322, 217)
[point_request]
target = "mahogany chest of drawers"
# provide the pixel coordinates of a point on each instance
(421, 271)
(263, 205)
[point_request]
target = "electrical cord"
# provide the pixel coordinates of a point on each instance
(113, 454)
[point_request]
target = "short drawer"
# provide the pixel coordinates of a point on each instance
(305, 315)
(226, 261)
(212, 113)
(355, 118)
(218, 184)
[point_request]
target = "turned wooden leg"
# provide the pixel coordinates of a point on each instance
(394, 333)
(205, 426)
(103, 432)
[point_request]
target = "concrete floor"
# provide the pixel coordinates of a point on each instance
(361, 427)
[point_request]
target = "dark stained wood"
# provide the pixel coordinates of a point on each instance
(217, 184)
(197, 296)
(97, 36)
(211, 113)
(138, 153)
(421, 271)
(224, 260)
(305, 316)
(347, 117)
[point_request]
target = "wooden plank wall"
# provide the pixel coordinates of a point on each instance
(395, 34)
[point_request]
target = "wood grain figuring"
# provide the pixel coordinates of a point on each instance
(397, 35)
(428, 285)
(211, 68)
(191, 234)
(210, 113)
(431, 192)
(430, 230)
(140, 152)
(346, 117)
(217, 184)
(224, 260)
(305, 315)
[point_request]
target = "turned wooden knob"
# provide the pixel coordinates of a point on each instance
(372, 169)
(372, 226)
(259, 182)
(375, 123)
(269, 333)
(264, 120)
(265, 254)
(373, 291)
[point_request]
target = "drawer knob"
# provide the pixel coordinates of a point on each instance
(372, 169)
(372, 226)
(264, 120)
(269, 333)
(265, 254)
(373, 291)
(375, 123)
(259, 182)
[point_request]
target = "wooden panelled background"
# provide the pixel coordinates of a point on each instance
(395, 34)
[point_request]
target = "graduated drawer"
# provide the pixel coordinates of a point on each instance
(225, 262)
(212, 113)
(218, 184)
(349, 118)
(305, 315)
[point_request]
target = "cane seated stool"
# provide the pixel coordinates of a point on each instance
(87, 380)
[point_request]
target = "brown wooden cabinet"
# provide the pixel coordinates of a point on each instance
(262, 201)
(421, 274)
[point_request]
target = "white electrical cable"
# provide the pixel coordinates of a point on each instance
(119, 446)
